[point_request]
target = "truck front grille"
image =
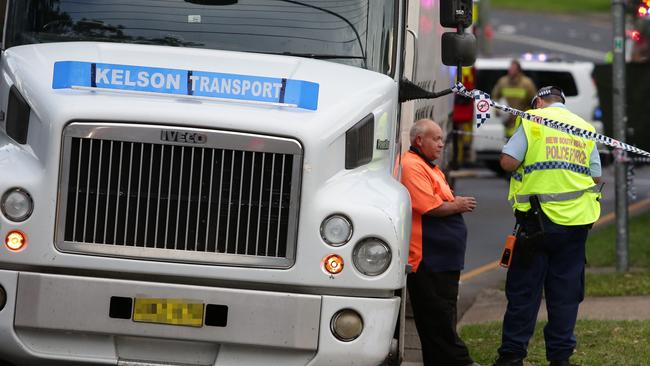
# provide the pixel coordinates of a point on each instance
(175, 194)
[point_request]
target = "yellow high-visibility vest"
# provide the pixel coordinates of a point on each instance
(556, 169)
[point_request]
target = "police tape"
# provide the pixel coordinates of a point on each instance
(620, 156)
(483, 103)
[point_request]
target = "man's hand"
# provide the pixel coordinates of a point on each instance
(465, 204)
(460, 205)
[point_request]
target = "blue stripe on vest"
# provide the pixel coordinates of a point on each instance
(516, 176)
(550, 165)
(68, 74)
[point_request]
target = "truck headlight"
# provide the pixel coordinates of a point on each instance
(336, 230)
(17, 204)
(371, 256)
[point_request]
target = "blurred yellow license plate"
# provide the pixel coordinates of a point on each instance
(168, 311)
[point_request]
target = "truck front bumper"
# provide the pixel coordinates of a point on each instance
(57, 319)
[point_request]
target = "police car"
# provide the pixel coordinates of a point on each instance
(574, 78)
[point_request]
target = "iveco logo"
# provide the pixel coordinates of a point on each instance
(180, 136)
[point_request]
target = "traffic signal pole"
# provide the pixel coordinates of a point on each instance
(620, 126)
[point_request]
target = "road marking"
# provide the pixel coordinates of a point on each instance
(632, 209)
(532, 41)
(607, 219)
(479, 271)
(507, 29)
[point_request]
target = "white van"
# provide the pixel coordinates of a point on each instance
(574, 78)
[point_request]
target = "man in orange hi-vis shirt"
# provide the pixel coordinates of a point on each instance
(437, 250)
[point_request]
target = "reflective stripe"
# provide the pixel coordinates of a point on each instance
(516, 176)
(513, 92)
(549, 165)
(557, 197)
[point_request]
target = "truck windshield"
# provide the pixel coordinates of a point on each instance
(354, 32)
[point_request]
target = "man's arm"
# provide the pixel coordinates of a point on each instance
(595, 166)
(508, 163)
(514, 151)
(459, 205)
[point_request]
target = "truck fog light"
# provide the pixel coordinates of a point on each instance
(336, 230)
(371, 256)
(346, 325)
(16, 241)
(333, 264)
(17, 204)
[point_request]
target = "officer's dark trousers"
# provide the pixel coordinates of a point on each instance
(433, 299)
(558, 268)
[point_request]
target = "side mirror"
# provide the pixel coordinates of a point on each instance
(455, 13)
(458, 49)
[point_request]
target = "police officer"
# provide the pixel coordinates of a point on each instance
(554, 195)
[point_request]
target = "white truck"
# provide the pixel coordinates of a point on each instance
(207, 182)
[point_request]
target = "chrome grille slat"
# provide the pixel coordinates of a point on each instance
(189, 201)
(137, 206)
(232, 172)
(218, 202)
(250, 203)
(76, 200)
(162, 156)
(108, 189)
(117, 196)
(268, 222)
(216, 236)
(169, 193)
(277, 238)
(259, 210)
(83, 235)
(207, 226)
(241, 186)
(146, 221)
(99, 178)
(178, 204)
(128, 195)
(198, 214)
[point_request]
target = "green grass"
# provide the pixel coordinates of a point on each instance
(601, 244)
(618, 284)
(555, 6)
(600, 343)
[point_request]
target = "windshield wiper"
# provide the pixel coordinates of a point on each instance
(318, 56)
(356, 33)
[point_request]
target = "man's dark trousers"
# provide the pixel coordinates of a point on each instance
(433, 299)
(557, 266)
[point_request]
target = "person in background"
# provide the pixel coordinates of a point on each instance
(517, 89)
(463, 119)
(554, 194)
(437, 249)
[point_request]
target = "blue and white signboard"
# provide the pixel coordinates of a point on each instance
(69, 74)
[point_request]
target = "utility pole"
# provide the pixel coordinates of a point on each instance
(620, 125)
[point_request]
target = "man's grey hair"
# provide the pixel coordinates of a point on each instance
(418, 128)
